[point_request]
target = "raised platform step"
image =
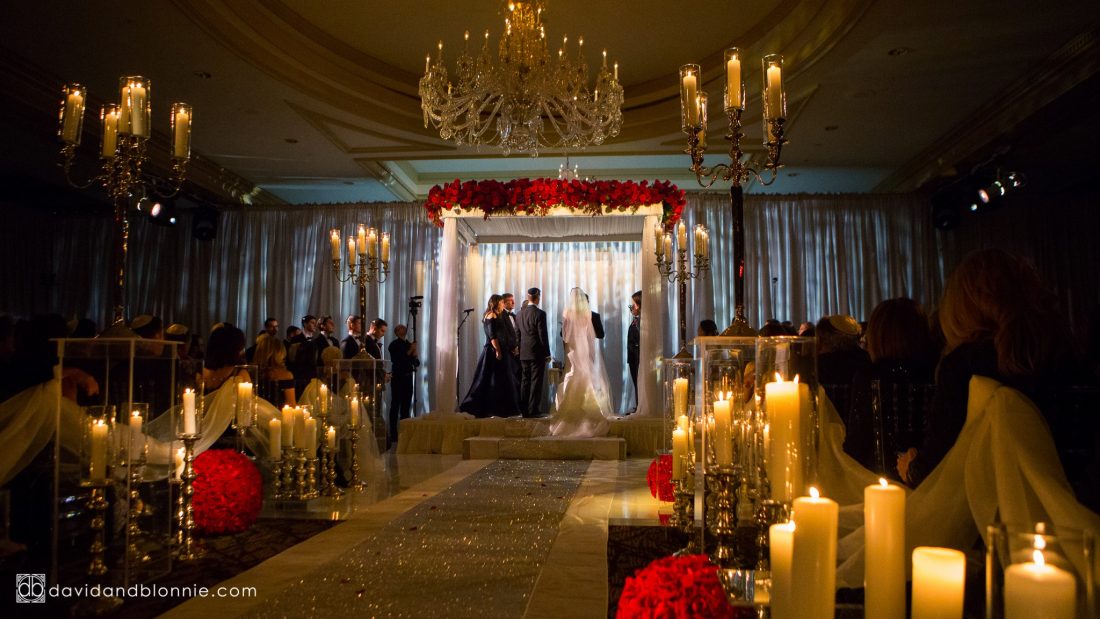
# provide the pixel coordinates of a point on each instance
(543, 448)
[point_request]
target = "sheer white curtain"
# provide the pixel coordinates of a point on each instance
(607, 271)
(828, 254)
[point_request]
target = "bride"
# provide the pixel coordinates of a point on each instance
(583, 403)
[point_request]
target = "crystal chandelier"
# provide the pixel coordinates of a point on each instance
(527, 100)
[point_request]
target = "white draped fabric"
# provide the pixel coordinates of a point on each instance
(446, 306)
(652, 326)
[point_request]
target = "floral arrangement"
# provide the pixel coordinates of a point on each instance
(675, 588)
(228, 492)
(659, 477)
(538, 196)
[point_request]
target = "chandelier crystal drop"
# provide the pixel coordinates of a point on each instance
(529, 99)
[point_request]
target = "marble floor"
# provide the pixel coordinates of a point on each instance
(565, 576)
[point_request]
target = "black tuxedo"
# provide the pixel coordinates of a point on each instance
(509, 345)
(597, 325)
(534, 349)
(349, 347)
(401, 385)
(633, 350)
(371, 346)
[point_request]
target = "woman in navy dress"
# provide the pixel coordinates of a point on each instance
(491, 392)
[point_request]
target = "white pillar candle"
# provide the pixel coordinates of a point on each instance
(334, 239)
(300, 438)
(680, 397)
(351, 252)
(420, 267)
(288, 427)
(775, 92)
(1039, 590)
(884, 554)
(706, 243)
(72, 115)
(177, 462)
(679, 452)
(244, 404)
(813, 564)
(311, 436)
(97, 469)
(139, 124)
(681, 236)
(372, 243)
(135, 423)
(330, 438)
(733, 81)
(668, 245)
(275, 438)
(784, 462)
(189, 411)
(780, 545)
(385, 247)
(181, 131)
(125, 112)
(939, 576)
(322, 402)
(658, 241)
(723, 437)
(689, 101)
(109, 142)
(361, 239)
(353, 415)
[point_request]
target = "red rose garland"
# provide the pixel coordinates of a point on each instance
(675, 588)
(659, 477)
(538, 196)
(228, 492)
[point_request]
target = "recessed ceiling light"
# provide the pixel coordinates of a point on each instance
(899, 51)
(291, 140)
(204, 75)
(832, 127)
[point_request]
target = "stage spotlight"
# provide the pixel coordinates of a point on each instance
(163, 213)
(204, 223)
(1015, 180)
(988, 194)
(974, 207)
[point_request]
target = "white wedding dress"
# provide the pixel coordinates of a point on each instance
(583, 403)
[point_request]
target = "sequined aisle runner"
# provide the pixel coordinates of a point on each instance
(473, 550)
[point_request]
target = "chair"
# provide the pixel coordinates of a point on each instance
(898, 411)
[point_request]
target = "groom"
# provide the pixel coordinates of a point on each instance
(534, 350)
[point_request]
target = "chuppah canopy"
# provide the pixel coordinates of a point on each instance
(556, 211)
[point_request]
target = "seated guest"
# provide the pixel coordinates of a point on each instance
(772, 328)
(224, 351)
(839, 356)
(1000, 322)
(179, 333)
(707, 328)
(276, 381)
(807, 329)
(899, 342)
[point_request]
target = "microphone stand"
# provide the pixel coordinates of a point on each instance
(458, 366)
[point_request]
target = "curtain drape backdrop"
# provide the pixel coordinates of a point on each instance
(828, 254)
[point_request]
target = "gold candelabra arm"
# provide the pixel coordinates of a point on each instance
(68, 155)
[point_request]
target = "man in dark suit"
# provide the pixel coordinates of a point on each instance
(510, 346)
(597, 322)
(375, 333)
(350, 346)
(404, 362)
(534, 350)
(634, 341)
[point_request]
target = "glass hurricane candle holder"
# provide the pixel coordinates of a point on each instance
(690, 86)
(786, 394)
(97, 452)
(679, 389)
(1036, 570)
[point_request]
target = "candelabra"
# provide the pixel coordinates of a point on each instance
(126, 130)
(693, 107)
(368, 262)
(678, 271)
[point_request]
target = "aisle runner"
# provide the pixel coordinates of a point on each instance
(473, 550)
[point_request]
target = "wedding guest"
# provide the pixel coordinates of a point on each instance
(634, 341)
(328, 331)
(372, 341)
(276, 381)
(772, 328)
(180, 334)
(839, 356)
(899, 342)
(707, 328)
(271, 327)
(350, 346)
(534, 352)
(1000, 322)
(510, 342)
(403, 356)
(224, 352)
(807, 329)
(309, 326)
(293, 336)
(491, 390)
(148, 327)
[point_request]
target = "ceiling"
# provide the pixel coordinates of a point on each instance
(304, 102)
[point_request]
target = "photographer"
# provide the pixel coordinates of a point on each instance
(404, 360)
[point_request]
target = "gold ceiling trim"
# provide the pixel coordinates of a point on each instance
(290, 48)
(1072, 64)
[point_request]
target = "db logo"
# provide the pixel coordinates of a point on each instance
(30, 588)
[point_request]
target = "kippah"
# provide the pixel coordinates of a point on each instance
(534, 292)
(177, 329)
(141, 321)
(845, 324)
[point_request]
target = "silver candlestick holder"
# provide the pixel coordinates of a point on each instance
(277, 478)
(189, 547)
(725, 516)
(328, 473)
(311, 478)
(97, 568)
(683, 515)
(134, 534)
(354, 482)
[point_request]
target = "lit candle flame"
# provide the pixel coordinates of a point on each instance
(882, 481)
(814, 494)
(1037, 557)
(1040, 542)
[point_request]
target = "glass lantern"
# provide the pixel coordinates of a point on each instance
(786, 394)
(1036, 570)
(97, 453)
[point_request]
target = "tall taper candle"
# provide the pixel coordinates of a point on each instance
(97, 471)
(189, 411)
